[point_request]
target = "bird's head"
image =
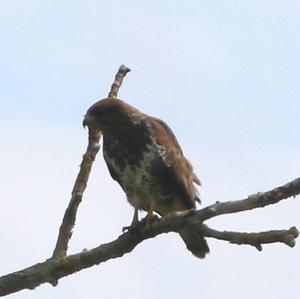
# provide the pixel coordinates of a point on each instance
(108, 114)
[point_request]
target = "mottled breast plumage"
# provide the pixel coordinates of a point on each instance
(148, 163)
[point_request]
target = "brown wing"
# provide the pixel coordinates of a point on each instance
(180, 169)
(107, 158)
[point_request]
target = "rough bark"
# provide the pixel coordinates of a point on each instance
(61, 264)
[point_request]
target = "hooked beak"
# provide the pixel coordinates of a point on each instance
(84, 123)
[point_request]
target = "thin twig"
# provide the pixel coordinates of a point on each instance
(255, 239)
(123, 70)
(258, 200)
(53, 269)
(66, 228)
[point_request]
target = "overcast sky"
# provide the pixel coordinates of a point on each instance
(223, 74)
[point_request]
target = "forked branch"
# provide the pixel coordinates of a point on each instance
(61, 264)
(55, 268)
(66, 228)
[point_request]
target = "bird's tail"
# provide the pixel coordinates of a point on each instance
(194, 241)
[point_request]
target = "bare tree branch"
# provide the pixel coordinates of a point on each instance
(255, 239)
(123, 70)
(258, 200)
(55, 268)
(61, 264)
(65, 231)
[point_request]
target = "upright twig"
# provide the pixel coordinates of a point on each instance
(66, 228)
(123, 70)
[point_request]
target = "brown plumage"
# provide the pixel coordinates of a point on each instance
(144, 157)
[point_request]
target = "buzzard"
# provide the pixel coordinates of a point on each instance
(144, 157)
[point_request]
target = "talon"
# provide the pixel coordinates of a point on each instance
(149, 216)
(135, 222)
(147, 221)
(131, 227)
(125, 229)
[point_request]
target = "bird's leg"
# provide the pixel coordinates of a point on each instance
(149, 216)
(135, 221)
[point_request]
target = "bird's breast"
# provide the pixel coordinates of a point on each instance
(136, 171)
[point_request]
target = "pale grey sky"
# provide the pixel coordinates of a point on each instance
(223, 74)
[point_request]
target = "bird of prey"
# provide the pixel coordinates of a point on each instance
(144, 157)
